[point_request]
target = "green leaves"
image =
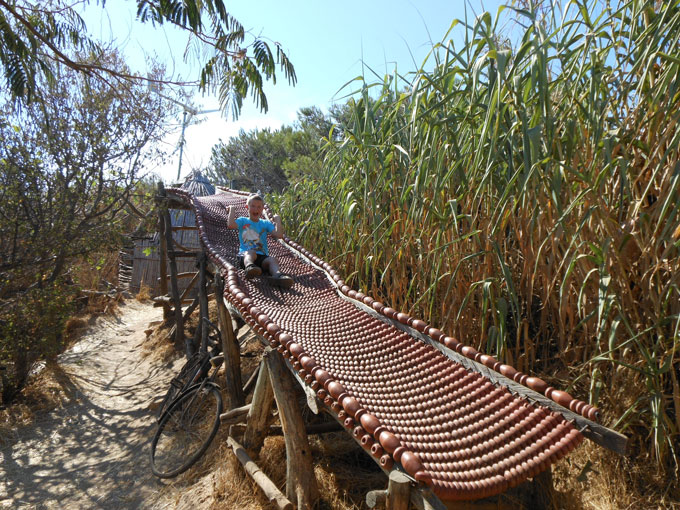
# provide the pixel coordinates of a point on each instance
(525, 197)
(33, 40)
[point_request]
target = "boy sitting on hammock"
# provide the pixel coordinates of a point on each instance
(253, 255)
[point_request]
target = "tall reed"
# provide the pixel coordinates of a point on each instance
(524, 196)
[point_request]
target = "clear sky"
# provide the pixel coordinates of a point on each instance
(326, 41)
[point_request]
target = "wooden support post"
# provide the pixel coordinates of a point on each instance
(270, 490)
(250, 383)
(230, 348)
(398, 491)
(301, 484)
(167, 232)
(259, 416)
(163, 260)
(203, 302)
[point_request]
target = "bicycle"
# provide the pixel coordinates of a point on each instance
(194, 370)
(192, 417)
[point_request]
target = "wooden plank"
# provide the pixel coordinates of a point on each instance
(167, 300)
(250, 383)
(301, 486)
(311, 429)
(184, 227)
(263, 482)
(184, 248)
(191, 284)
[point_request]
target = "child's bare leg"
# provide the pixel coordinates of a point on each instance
(271, 266)
(249, 259)
(277, 278)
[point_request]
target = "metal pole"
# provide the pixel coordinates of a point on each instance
(181, 143)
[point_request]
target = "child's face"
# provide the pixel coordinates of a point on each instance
(255, 210)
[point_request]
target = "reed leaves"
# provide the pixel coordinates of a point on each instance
(523, 194)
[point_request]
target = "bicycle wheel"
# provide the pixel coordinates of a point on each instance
(186, 430)
(181, 381)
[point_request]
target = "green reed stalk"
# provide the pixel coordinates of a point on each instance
(525, 197)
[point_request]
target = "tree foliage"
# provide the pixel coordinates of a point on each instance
(269, 160)
(68, 164)
(33, 38)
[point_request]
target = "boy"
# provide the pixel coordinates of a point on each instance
(253, 255)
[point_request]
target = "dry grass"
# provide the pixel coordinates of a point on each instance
(144, 293)
(75, 327)
(593, 478)
(49, 389)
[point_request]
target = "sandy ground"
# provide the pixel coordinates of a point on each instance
(93, 453)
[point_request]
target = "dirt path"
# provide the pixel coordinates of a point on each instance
(93, 452)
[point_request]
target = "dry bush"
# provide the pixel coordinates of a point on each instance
(49, 389)
(144, 293)
(74, 327)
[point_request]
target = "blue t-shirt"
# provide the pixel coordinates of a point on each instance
(252, 235)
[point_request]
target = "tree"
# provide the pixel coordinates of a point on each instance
(68, 164)
(33, 38)
(270, 160)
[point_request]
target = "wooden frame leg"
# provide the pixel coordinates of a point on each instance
(230, 348)
(301, 484)
(259, 416)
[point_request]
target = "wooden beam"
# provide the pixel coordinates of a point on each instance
(166, 300)
(250, 383)
(301, 484)
(184, 228)
(181, 247)
(179, 275)
(260, 415)
(424, 499)
(163, 261)
(376, 498)
(202, 302)
(235, 413)
(311, 429)
(230, 348)
(179, 332)
(184, 254)
(270, 490)
(191, 284)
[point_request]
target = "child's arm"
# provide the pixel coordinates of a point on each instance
(231, 218)
(278, 227)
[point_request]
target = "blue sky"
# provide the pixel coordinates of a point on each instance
(326, 41)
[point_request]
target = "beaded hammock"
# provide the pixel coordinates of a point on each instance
(411, 395)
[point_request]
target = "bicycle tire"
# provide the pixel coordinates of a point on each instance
(186, 430)
(180, 381)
